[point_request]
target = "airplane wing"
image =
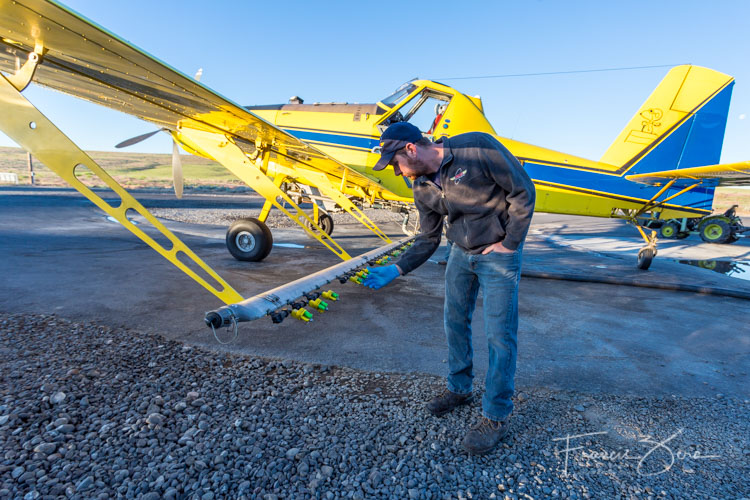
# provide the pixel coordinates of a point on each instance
(727, 174)
(86, 61)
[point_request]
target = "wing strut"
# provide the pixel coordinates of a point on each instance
(26, 125)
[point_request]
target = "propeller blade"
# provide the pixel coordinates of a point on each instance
(137, 139)
(177, 178)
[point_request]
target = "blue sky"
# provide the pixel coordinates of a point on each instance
(265, 52)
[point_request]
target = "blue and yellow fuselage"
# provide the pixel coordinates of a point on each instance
(681, 125)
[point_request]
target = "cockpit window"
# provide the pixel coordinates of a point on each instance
(399, 94)
(425, 111)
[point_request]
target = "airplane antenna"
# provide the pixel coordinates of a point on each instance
(548, 73)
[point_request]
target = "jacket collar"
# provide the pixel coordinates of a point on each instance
(447, 152)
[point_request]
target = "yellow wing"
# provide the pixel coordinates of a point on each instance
(727, 174)
(86, 61)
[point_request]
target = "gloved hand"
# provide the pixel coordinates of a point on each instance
(381, 276)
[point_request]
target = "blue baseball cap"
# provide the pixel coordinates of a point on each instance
(396, 137)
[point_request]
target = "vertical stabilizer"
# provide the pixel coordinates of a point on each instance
(680, 125)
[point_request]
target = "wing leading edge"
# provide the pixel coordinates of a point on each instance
(88, 62)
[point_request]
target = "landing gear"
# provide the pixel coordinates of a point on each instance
(325, 221)
(249, 240)
(647, 253)
(645, 256)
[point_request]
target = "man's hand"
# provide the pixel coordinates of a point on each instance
(381, 276)
(496, 247)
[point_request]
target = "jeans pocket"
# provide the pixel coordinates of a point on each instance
(502, 255)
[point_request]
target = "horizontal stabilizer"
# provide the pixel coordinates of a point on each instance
(727, 174)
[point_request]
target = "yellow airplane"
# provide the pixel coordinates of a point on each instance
(663, 165)
(681, 125)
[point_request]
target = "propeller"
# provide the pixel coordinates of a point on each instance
(177, 177)
(139, 138)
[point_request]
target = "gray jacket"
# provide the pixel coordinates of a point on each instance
(486, 195)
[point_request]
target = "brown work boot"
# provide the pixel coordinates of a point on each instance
(485, 435)
(447, 401)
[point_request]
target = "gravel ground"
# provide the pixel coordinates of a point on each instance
(276, 219)
(90, 411)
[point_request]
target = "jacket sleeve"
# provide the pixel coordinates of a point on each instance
(520, 196)
(428, 240)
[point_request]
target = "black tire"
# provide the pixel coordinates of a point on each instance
(645, 256)
(249, 240)
(325, 221)
(669, 230)
(715, 230)
(683, 235)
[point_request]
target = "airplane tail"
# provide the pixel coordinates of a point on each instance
(680, 125)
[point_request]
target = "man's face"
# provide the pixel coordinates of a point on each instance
(410, 163)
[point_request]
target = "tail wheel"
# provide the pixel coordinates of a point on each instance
(645, 256)
(325, 221)
(249, 240)
(669, 230)
(715, 231)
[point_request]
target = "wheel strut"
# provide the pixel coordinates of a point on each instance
(647, 253)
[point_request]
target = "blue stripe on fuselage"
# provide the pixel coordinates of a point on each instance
(334, 139)
(700, 197)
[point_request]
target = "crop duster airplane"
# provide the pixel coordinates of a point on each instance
(663, 165)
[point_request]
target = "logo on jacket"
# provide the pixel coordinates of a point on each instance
(459, 175)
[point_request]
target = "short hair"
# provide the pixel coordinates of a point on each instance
(423, 141)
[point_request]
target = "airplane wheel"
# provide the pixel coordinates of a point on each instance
(249, 240)
(715, 231)
(645, 256)
(325, 221)
(669, 230)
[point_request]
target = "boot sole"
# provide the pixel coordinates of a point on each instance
(444, 412)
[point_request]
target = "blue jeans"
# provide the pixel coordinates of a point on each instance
(448, 247)
(497, 274)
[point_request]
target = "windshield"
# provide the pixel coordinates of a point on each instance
(399, 94)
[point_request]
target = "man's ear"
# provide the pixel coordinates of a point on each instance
(411, 150)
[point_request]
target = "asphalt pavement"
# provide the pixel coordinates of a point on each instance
(59, 254)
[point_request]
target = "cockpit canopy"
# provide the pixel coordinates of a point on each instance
(404, 90)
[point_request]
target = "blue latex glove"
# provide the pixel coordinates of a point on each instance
(381, 276)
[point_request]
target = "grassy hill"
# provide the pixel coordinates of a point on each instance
(132, 170)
